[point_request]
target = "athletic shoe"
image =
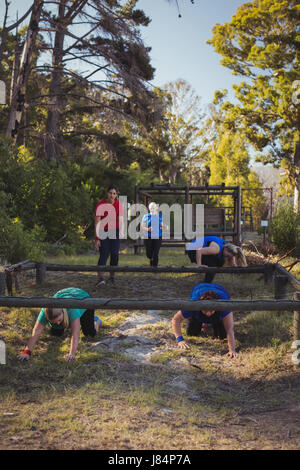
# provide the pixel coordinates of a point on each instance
(111, 279)
(100, 282)
(98, 323)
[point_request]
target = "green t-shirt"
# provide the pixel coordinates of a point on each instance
(73, 313)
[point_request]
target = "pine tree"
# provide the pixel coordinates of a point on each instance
(261, 44)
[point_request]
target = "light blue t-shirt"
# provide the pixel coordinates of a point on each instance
(73, 313)
(155, 222)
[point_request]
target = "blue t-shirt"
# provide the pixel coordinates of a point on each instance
(155, 222)
(197, 292)
(73, 313)
(204, 242)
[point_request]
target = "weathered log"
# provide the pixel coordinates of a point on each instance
(153, 304)
(2, 282)
(159, 269)
(280, 286)
(296, 325)
(40, 273)
(281, 270)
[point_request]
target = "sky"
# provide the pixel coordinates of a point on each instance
(179, 48)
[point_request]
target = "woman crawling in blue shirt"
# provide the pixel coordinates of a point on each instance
(213, 251)
(222, 321)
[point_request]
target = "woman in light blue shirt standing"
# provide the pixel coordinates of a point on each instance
(152, 225)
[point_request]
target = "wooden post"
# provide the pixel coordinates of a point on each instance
(137, 250)
(280, 286)
(269, 272)
(2, 283)
(40, 273)
(297, 319)
(238, 216)
(296, 343)
(186, 201)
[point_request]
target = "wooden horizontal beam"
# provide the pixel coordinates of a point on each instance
(193, 193)
(183, 188)
(159, 269)
(153, 304)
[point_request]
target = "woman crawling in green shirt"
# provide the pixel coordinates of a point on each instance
(59, 318)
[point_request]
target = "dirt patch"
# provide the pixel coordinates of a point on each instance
(132, 339)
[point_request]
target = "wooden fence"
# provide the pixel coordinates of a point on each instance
(271, 272)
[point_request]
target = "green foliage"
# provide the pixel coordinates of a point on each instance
(42, 202)
(174, 141)
(17, 244)
(230, 159)
(261, 43)
(285, 227)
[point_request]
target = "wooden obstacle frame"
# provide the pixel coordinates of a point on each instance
(272, 272)
(214, 217)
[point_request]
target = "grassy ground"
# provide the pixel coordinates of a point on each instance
(198, 399)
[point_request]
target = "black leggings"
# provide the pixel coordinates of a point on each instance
(86, 323)
(109, 246)
(194, 327)
(152, 249)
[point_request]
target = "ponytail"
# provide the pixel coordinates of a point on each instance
(241, 257)
(237, 252)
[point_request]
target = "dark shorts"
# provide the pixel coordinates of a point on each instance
(212, 261)
(194, 326)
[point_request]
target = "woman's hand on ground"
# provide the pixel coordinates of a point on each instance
(183, 345)
(23, 357)
(70, 357)
(232, 354)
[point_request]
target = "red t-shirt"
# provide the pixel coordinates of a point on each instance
(112, 217)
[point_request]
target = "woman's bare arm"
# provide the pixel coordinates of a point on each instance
(75, 331)
(36, 332)
(229, 328)
(176, 326)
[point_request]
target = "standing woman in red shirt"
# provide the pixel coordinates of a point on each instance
(110, 212)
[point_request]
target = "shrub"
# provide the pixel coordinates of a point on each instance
(18, 244)
(284, 227)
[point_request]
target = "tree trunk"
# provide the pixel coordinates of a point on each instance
(160, 175)
(6, 30)
(15, 71)
(18, 98)
(55, 102)
(4, 34)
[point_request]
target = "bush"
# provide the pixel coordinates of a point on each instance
(18, 244)
(284, 228)
(41, 202)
